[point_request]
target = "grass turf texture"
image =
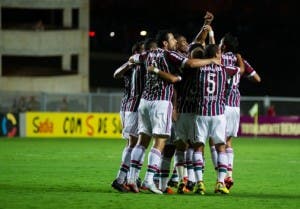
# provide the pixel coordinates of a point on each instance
(77, 173)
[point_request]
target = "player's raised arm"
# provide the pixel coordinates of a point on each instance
(201, 36)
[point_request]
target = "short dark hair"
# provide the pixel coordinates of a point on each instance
(195, 45)
(162, 36)
(178, 35)
(196, 50)
(231, 42)
(211, 50)
(137, 47)
(149, 43)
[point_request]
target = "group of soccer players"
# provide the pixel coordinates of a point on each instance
(180, 95)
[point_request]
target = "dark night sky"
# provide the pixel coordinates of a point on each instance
(266, 30)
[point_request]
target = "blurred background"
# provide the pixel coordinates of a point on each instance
(266, 30)
(55, 52)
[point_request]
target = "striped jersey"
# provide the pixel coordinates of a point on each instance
(133, 87)
(211, 81)
(155, 87)
(187, 92)
(233, 95)
(249, 71)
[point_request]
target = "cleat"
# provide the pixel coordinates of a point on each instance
(133, 187)
(190, 185)
(185, 179)
(228, 182)
(151, 187)
(169, 190)
(199, 188)
(139, 182)
(220, 187)
(173, 183)
(119, 187)
(181, 188)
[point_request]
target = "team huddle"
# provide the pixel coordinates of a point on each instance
(180, 95)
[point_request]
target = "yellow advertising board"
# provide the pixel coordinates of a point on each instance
(71, 124)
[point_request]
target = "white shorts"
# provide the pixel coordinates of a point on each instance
(233, 120)
(155, 117)
(172, 138)
(185, 127)
(129, 123)
(210, 126)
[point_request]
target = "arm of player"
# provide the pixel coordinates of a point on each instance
(201, 36)
(240, 63)
(121, 70)
(255, 77)
(175, 114)
(251, 73)
(211, 35)
(194, 63)
(164, 75)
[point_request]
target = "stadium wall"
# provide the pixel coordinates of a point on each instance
(70, 124)
(108, 125)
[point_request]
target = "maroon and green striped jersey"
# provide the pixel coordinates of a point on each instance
(134, 80)
(187, 92)
(233, 95)
(212, 88)
(155, 87)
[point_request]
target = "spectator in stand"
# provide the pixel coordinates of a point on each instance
(22, 106)
(64, 105)
(33, 104)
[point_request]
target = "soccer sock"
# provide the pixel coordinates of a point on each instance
(174, 176)
(180, 161)
(198, 165)
(230, 156)
(154, 160)
(124, 168)
(222, 166)
(189, 164)
(164, 173)
(185, 173)
(214, 156)
(137, 172)
(136, 162)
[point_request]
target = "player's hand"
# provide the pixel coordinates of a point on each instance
(150, 69)
(207, 28)
(208, 17)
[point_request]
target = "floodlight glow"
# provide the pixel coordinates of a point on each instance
(112, 34)
(143, 33)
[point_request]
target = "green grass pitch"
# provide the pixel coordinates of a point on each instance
(77, 173)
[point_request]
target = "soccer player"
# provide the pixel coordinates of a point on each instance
(210, 119)
(155, 109)
(229, 45)
(184, 126)
(133, 76)
(186, 96)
